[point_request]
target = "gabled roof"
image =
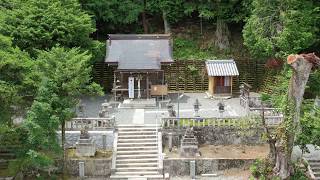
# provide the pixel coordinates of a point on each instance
(146, 51)
(222, 68)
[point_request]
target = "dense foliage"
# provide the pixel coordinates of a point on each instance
(15, 78)
(47, 48)
(277, 28)
(36, 25)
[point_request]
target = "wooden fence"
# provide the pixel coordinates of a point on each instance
(189, 75)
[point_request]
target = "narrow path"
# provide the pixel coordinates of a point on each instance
(138, 116)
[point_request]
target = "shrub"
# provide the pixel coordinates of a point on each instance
(261, 169)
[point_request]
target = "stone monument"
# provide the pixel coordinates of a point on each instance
(86, 145)
(189, 144)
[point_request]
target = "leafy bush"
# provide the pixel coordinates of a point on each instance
(299, 171)
(261, 169)
(188, 49)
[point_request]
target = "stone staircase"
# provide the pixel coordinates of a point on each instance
(138, 104)
(189, 144)
(6, 155)
(314, 168)
(137, 152)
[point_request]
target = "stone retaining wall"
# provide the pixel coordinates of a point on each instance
(181, 167)
(73, 136)
(173, 166)
(216, 136)
(92, 167)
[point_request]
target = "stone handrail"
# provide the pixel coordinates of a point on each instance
(160, 157)
(114, 152)
(216, 122)
(310, 172)
(91, 123)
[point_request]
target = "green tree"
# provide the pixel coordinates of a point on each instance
(39, 145)
(70, 73)
(310, 127)
(15, 79)
(113, 13)
(64, 77)
(222, 12)
(277, 28)
(171, 11)
(40, 25)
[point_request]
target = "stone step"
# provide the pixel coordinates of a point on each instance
(7, 155)
(138, 173)
(136, 136)
(138, 125)
(130, 160)
(317, 169)
(140, 164)
(129, 133)
(189, 143)
(138, 152)
(314, 160)
(136, 156)
(137, 129)
(137, 143)
(137, 140)
(124, 176)
(129, 148)
(314, 164)
(137, 169)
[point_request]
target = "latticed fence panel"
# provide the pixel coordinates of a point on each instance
(190, 75)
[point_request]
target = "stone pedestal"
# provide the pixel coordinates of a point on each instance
(86, 147)
(81, 170)
(193, 169)
(170, 141)
(189, 144)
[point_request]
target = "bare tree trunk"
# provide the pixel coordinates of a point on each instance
(271, 140)
(144, 19)
(166, 24)
(63, 140)
(222, 35)
(301, 67)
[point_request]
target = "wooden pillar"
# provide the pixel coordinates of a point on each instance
(147, 85)
(114, 86)
(231, 79)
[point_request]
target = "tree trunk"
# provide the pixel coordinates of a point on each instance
(167, 29)
(301, 68)
(271, 140)
(222, 35)
(63, 139)
(144, 18)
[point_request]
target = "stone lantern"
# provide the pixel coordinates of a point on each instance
(105, 105)
(171, 111)
(105, 109)
(196, 107)
(81, 109)
(221, 108)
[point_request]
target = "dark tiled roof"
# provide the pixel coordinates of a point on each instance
(222, 68)
(139, 51)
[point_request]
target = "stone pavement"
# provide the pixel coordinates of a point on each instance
(211, 178)
(313, 154)
(208, 108)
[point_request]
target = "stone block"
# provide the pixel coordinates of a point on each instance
(85, 147)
